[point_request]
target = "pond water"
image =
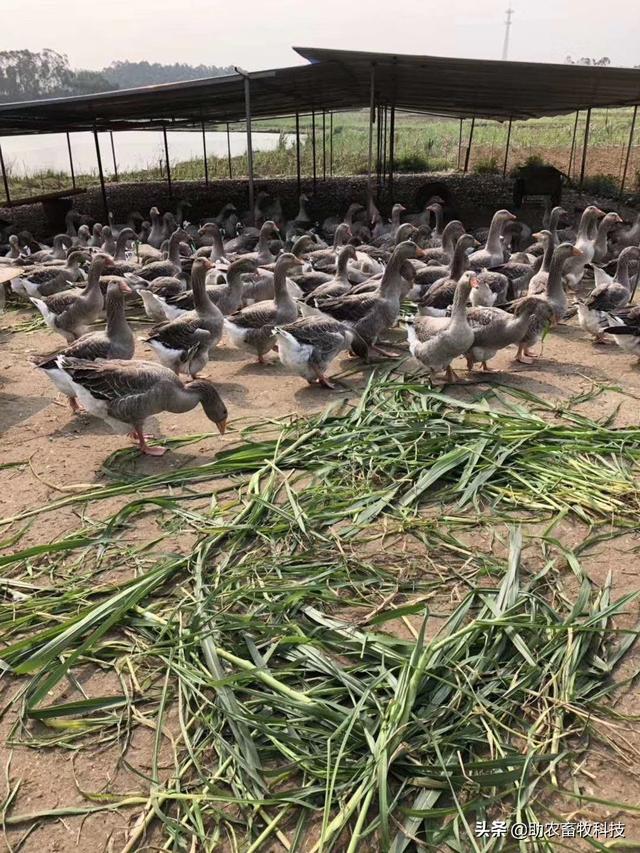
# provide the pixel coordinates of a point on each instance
(135, 149)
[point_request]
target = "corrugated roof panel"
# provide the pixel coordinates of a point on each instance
(338, 80)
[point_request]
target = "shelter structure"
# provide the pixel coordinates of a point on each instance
(335, 80)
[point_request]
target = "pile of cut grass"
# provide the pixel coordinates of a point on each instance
(304, 713)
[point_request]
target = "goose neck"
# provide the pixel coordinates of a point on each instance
(495, 233)
(459, 262)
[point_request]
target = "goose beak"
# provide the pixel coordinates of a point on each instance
(420, 253)
(206, 263)
(222, 426)
(599, 212)
(576, 252)
(473, 281)
(124, 287)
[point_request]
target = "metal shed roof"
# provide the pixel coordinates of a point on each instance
(335, 80)
(485, 88)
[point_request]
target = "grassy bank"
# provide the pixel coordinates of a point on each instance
(422, 144)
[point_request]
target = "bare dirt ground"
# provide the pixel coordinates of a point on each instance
(61, 450)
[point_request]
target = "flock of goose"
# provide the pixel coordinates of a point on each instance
(310, 291)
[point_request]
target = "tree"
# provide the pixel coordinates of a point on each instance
(25, 75)
(125, 74)
(589, 60)
(89, 82)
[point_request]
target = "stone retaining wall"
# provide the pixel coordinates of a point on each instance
(473, 198)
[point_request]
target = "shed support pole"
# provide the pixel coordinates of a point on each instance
(468, 154)
(166, 158)
(371, 118)
(384, 146)
(506, 151)
(103, 189)
(73, 174)
(247, 108)
(331, 144)
(460, 144)
(585, 146)
(313, 147)
(5, 179)
(204, 156)
(573, 143)
(113, 154)
(229, 152)
(378, 144)
(298, 171)
(392, 142)
(324, 145)
(628, 155)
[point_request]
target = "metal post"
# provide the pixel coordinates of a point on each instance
(298, 173)
(384, 145)
(506, 151)
(229, 152)
(630, 143)
(378, 145)
(392, 145)
(166, 158)
(5, 179)
(331, 143)
(73, 174)
(573, 143)
(460, 144)
(585, 146)
(247, 107)
(313, 146)
(468, 154)
(105, 203)
(113, 154)
(204, 156)
(324, 146)
(371, 118)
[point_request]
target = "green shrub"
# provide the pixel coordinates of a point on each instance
(606, 185)
(486, 166)
(531, 160)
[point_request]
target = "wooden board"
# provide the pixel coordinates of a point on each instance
(7, 273)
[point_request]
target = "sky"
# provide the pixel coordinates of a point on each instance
(258, 34)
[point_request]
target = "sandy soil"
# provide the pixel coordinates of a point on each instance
(37, 427)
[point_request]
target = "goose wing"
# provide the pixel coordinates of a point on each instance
(321, 333)
(440, 296)
(350, 308)
(255, 316)
(607, 297)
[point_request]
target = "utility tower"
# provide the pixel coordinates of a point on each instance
(507, 32)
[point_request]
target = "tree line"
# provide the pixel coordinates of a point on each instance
(27, 75)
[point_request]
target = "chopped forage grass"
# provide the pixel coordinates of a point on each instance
(344, 671)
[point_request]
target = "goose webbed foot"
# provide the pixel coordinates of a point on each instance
(522, 356)
(322, 379)
(141, 438)
(486, 368)
(451, 376)
(136, 435)
(384, 352)
(76, 408)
